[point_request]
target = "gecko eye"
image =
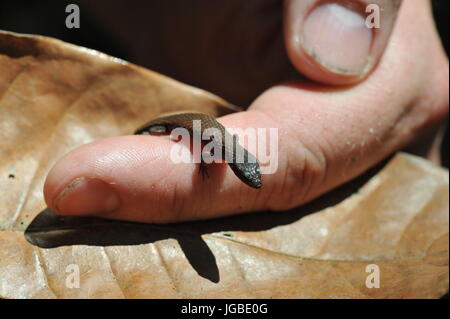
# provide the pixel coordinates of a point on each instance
(157, 129)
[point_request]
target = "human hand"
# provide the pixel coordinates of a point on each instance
(327, 134)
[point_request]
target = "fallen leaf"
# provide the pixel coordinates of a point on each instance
(55, 96)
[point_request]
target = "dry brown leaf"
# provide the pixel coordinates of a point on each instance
(55, 96)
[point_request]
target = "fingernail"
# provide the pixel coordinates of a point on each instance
(338, 38)
(87, 196)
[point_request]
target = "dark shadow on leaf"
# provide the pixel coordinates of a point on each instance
(49, 230)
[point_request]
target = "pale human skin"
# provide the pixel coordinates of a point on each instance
(331, 129)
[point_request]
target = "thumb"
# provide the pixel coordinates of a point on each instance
(337, 42)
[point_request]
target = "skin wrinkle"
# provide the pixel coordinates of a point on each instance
(177, 202)
(323, 170)
(296, 176)
(244, 194)
(377, 140)
(266, 199)
(299, 177)
(250, 201)
(430, 97)
(262, 204)
(405, 114)
(311, 171)
(308, 170)
(255, 203)
(284, 182)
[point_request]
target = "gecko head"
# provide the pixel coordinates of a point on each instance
(249, 173)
